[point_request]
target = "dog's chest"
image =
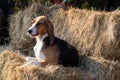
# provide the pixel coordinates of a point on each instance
(38, 53)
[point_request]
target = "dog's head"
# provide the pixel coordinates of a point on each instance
(40, 26)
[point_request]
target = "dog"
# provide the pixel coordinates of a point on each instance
(50, 49)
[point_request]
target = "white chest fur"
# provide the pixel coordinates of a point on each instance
(38, 47)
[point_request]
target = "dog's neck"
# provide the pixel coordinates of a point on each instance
(39, 40)
(38, 47)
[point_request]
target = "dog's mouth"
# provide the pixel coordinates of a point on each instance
(32, 35)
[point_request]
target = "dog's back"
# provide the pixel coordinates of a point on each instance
(67, 54)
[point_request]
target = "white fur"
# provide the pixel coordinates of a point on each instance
(38, 47)
(38, 53)
(34, 30)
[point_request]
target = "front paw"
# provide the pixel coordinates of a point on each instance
(31, 64)
(37, 63)
(30, 59)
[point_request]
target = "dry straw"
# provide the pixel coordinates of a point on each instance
(92, 33)
(13, 67)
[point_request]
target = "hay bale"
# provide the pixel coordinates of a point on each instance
(101, 68)
(92, 33)
(8, 62)
(12, 68)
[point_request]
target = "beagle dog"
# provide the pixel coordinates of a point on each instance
(50, 49)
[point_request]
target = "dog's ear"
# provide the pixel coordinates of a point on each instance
(50, 31)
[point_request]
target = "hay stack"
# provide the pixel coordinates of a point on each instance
(92, 33)
(12, 68)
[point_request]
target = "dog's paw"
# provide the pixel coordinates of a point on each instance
(37, 63)
(30, 59)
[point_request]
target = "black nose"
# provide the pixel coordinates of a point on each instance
(29, 31)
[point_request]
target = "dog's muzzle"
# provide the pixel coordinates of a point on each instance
(32, 31)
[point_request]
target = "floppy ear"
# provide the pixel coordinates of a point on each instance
(50, 31)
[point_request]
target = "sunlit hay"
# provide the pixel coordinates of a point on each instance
(9, 61)
(12, 67)
(92, 33)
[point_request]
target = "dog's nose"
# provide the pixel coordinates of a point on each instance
(29, 31)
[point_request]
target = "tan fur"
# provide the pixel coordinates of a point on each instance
(51, 54)
(41, 29)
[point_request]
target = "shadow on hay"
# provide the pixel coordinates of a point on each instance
(101, 68)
